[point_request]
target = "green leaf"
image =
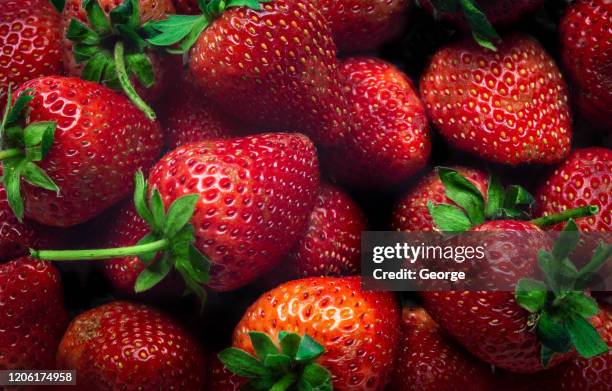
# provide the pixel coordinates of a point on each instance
(463, 193)
(22, 101)
(253, 4)
(96, 17)
(290, 343)
(580, 304)
(38, 138)
(200, 265)
(95, 67)
(59, 5)
(546, 355)
(241, 363)
(140, 200)
(132, 37)
(553, 334)
(317, 376)
(35, 175)
(531, 294)
(449, 218)
(140, 66)
(567, 241)
(277, 363)
(172, 30)
(517, 196)
(153, 274)
(148, 258)
(83, 53)
(262, 344)
(550, 268)
(156, 205)
(180, 213)
(482, 30)
(308, 350)
(12, 184)
(79, 32)
(602, 254)
(126, 14)
(567, 275)
(495, 197)
(584, 337)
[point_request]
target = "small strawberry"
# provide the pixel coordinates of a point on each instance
(390, 139)
(329, 331)
(586, 48)
(429, 360)
(508, 106)
(73, 142)
(332, 244)
(273, 64)
(33, 314)
(30, 41)
(130, 347)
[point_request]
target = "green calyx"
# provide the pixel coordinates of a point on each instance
(559, 308)
(482, 30)
(290, 367)
(58, 4)
(114, 49)
(178, 33)
(21, 148)
(169, 245)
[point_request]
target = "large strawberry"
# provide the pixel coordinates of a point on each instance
(130, 347)
(329, 332)
(586, 47)
(33, 317)
(30, 41)
(73, 142)
(104, 41)
(389, 139)
(508, 106)
(273, 65)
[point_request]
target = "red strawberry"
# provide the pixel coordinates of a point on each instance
(332, 245)
(189, 7)
(361, 25)
(256, 194)
(390, 138)
(411, 213)
(218, 378)
(33, 314)
(351, 333)
(429, 360)
(508, 106)
(586, 42)
(100, 139)
(130, 347)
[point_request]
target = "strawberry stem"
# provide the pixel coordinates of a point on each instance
(126, 85)
(9, 153)
(90, 255)
(576, 213)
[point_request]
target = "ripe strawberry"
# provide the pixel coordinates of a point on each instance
(273, 65)
(508, 106)
(352, 334)
(90, 140)
(30, 41)
(429, 360)
(332, 244)
(34, 316)
(586, 42)
(390, 138)
(130, 347)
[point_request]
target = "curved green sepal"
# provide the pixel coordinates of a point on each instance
(482, 30)
(58, 4)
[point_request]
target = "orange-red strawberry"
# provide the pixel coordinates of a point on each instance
(130, 347)
(508, 106)
(30, 41)
(352, 334)
(429, 360)
(389, 140)
(332, 244)
(586, 48)
(33, 314)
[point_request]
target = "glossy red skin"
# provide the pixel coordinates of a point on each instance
(498, 12)
(359, 330)
(275, 68)
(33, 314)
(149, 10)
(218, 378)
(361, 25)
(508, 106)
(586, 48)
(256, 196)
(100, 142)
(130, 347)
(411, 213)
(390, 139)
(31, 42)
(490, 324)
(332, 244)
(429, 360)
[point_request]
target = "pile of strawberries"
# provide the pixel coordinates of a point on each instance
(185, 184)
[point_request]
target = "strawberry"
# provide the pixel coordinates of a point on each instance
(34, 316)
(390, 138)
(332, 244)
(104, 41)
(273, 64)
(508, 106)
(329, 330)
(429, 360)
(361, 25)
(586, 47)
(130, 347)
(72, 137)
(219, 378)
(30, 41)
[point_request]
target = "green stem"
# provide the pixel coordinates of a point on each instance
(126, 85)
(90, 255)
(9, 153)
(561, 217)
(284, 383)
